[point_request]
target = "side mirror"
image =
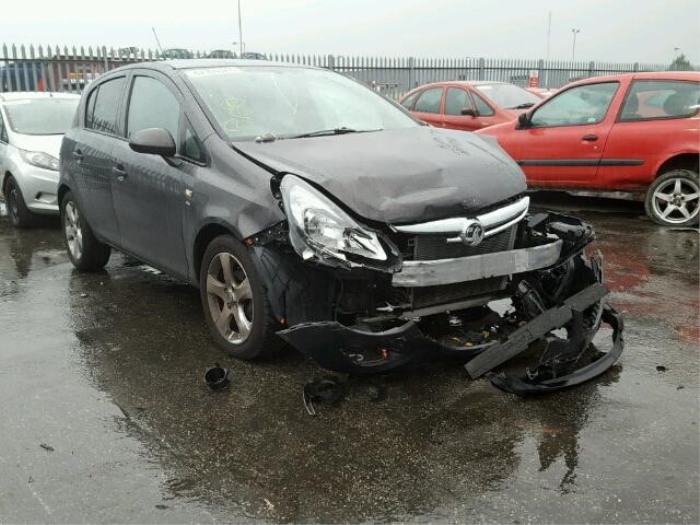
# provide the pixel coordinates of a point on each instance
(154, 141)
(469, 112)
(524, 120)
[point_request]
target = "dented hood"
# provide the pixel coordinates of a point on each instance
(399, 176)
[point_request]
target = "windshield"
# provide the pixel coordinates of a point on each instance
(508, 96)
(286, 102)
(50, 116)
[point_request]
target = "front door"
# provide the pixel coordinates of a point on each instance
(149, 191)
(566, 137)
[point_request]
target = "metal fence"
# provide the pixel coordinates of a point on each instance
(30, 68)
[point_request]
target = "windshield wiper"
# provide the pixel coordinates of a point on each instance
(325, 132)
(525, 105)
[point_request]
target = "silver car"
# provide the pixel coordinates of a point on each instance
(31, 130)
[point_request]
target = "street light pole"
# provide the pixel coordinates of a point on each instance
(573, 49)
(240, 29)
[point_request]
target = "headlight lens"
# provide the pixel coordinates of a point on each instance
(318, 227)
(40, 159)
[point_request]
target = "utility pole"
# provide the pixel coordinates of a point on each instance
(546, 62)
(573, 49)
(157, 40)
(240, 30)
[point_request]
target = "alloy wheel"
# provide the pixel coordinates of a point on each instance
(676, 200)
(230, 298)
(73, 230)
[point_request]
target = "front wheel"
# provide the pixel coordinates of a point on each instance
(17, 211)
(235, 302)
(673, 199)
(84, 250)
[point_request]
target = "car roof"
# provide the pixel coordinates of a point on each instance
(196, 63)
(35, 95)
(647, 75)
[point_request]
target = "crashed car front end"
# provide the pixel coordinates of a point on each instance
(364, 297)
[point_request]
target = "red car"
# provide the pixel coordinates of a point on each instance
(468, 105)
(635, 135)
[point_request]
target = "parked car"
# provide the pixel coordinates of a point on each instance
(252, 55)
(22, 76)
(468, 105)
(304, 205)
(633, 135)
(31, 129)
(221, 53)
(176, 53)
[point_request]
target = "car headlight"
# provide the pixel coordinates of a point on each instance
(40, 159)
(319, 228)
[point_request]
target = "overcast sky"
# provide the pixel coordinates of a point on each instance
(611, 30)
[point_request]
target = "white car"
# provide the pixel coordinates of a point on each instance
(31, 130)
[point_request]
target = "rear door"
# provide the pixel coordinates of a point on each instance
(149, 192)
(88, 151)
(566, 139)
(652, 126)
(428, 107)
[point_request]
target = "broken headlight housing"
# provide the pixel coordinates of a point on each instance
(320, 228)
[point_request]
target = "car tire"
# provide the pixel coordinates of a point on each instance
(17, 211)
(235, 302)
(673, 199)
(84, 250)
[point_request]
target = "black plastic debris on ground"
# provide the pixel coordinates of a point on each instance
(216, 377)
(327, 391)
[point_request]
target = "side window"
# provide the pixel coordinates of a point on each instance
(191, 147)
(409, 100)
(429, 101)
(90, 108)
(152, 105)
(482, 107)
(3, 131)
(580, 105)
(103, 116)
(456, 99)
(654, 99)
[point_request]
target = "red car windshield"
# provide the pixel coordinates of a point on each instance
(508, 96)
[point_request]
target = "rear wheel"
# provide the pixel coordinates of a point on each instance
(84, 250)
(673, 199)
(235, 302)
(17, 211)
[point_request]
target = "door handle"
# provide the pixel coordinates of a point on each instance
(78, 155)
(590, 138)
(120, 172)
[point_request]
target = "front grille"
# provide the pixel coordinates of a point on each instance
(430, 248)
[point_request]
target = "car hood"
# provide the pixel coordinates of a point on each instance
(50, 144)
(399, 176)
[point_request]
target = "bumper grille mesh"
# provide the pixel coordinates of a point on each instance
(430, 248)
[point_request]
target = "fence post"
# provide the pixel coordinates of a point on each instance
(541, 75)
(482, 67)
(331, 62)
(636, 67)
(411, 72)
(591, 68)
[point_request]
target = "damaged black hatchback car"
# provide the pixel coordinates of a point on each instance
(309, 209)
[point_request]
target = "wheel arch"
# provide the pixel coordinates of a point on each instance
(62, 190)
(5, 176)
(687, 161)
(207, 233)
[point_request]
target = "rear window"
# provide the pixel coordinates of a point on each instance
(50, 116)
(659, 99)
(103, 104)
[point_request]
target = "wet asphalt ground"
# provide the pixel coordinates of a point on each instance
(104, 415)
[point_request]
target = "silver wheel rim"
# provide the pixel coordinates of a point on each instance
(230, 298)
(74, 232)
(676, 200)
